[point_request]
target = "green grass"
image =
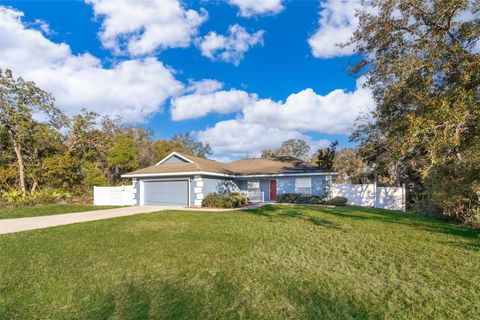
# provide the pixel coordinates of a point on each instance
(275, 262)
(35, 211)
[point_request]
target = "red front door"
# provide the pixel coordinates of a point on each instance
(273, 189)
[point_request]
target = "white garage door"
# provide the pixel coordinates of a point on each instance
(166, 193)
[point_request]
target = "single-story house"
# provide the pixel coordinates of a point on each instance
(184, 180)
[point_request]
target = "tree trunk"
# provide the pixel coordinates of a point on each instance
(21, 166)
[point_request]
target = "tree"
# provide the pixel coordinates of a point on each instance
(163, 148)
(420, 59)
(144, 144)
(19, 100)
(195, 148)
(60, 171)
(295, 148)
(351, 167)
(325, 157)
(123, 155)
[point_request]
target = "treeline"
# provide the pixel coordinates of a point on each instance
(41, 148)
(421, 59)
(349, 164)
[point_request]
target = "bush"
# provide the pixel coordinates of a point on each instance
(14, 197)
(288, 197)
(299, 198)
(226, 200)
(46, 196)
(50, 196)
(337, 201)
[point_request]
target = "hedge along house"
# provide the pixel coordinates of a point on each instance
(184, 180)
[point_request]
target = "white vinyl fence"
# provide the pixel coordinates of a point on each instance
(369, 195)
(113, 196)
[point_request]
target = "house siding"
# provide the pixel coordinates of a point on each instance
(136, 195)
(287, 185)
(174, 159)
(192, 191)
(264, 186)
(242, 184)
(320, 185)
(211, 185)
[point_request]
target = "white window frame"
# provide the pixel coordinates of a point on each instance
(303, 185)
(253, 182)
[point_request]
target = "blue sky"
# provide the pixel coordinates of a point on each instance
(243, 75)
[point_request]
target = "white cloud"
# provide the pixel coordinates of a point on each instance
(306, 110)
(230, 48)
(239, 137)
(249, 8)
(204, 86)
(133, 89)
(141, 27)
(337, 23)
(197, 105)
(265, 123)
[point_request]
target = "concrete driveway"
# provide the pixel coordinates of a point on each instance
(23, 224)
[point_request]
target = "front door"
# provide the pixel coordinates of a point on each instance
(273, 189)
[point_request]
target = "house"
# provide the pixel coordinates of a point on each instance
(184, 180)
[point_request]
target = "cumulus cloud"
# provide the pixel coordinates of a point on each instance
(249, 8)
(133, 89)
(199, 104)
(204, 86)
(337, 22)
(243, 138)
(265, 123)
(306, 110)
(141, 27)
(232, 47)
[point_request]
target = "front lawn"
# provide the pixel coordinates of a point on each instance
(35, 211)
(275, 262)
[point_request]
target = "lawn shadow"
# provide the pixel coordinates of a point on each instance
(429, 224)
(128, 301)
(465, 245)
(273, 213)
(170, 299)
(315, 304)
(218, 298)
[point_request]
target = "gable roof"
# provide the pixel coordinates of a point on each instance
(270, 166)
(174, 154)
(244, 167)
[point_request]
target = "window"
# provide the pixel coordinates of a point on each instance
(303, 185)
(253, 185)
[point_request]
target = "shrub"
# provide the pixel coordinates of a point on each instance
(13, 197)
(224, 200)
(337, 201)
(50, 196)
(299, 198)
(288, 197)
(46, 196)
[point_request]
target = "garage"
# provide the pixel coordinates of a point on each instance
(165, 193)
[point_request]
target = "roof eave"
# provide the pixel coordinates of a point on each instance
(174, 174)
(207, 173)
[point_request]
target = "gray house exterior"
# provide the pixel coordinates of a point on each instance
(184, 180)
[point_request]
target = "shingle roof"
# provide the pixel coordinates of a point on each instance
(269, 165)
(253, 166)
